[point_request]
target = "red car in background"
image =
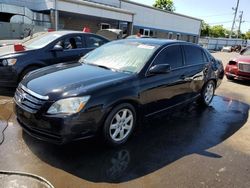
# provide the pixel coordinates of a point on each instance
(239, 68)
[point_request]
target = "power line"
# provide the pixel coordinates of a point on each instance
(216, 15)
(220, 22)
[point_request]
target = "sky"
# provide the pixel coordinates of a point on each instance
(213, 12)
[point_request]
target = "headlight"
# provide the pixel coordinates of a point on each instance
(9, 62)
(69, 105)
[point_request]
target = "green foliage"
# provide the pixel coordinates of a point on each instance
(205, 29)
(214, 31)
(247, 35)
(165, 5)
(218, 31)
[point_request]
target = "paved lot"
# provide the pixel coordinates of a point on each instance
(195, 148)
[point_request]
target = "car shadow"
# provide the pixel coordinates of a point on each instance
(241, 82)
(155, 145)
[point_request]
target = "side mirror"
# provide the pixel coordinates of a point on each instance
(160, 69)
(57, 48)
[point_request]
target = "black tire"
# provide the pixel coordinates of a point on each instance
(110, 119)
(27, 70)
(207, 93)
(230, 78)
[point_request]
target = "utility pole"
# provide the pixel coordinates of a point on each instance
(240, 17)
(235, 13)
(56, 15)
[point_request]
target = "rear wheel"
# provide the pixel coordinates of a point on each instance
(119, 124)
(207, 93)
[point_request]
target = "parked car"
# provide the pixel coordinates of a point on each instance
(226, 49)
(46, 49)
(239, 68)
(113, 87)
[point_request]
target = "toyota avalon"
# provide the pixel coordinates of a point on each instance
(114, 87)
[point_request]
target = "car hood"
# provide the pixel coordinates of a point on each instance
(242, 58)
(69, 79)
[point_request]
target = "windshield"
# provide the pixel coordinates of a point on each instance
(41, 41)
(122, 56)
(33, 36)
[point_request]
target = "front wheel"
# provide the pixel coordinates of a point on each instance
(26, 71)
(207, 93)
(119, 124)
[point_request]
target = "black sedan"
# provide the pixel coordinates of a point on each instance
(114, 87)
(43, 50)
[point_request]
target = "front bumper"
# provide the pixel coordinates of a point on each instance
(58, 129)
(8, 77)
(238, 76)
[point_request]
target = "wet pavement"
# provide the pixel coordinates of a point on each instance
(195, 147)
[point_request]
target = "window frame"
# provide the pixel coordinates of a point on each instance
(198, 47)
(96, 36)
(74, 36)
(106, 25)
(63, 37)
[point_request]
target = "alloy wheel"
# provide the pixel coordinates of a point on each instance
(121, 124)
(209, 93)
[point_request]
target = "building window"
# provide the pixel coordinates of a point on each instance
(194, 39)
(178, 36)
(105, 26)
(170, 35)
(141, 31)
(151, 33)
(146, 32)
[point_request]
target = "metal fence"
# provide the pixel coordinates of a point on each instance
(218, 43)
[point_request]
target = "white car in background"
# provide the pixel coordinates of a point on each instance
(226, 49)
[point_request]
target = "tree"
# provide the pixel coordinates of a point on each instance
(205, 29)
(247, 35)
(165, 5)
(218, 31)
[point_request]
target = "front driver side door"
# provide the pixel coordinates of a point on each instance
(163, 91)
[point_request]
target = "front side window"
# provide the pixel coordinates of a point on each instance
(72, 42)
(121, 56)
(194, 55)
(171, 55)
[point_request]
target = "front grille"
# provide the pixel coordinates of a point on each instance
(29, 100)
(244, 67)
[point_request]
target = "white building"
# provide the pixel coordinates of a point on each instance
(129, 16)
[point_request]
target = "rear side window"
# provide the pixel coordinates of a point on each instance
(94, 42)
(194, 55)
(171, 55)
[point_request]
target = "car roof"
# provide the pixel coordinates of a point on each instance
(69, 32)
(159, 42)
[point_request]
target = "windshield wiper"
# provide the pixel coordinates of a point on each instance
(102, 66)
